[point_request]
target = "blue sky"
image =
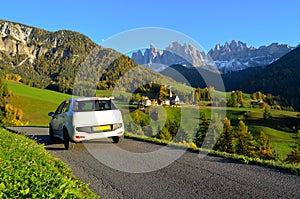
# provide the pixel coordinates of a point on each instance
(256, 22)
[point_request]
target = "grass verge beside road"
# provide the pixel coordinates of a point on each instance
(27, 170)
(279, 164)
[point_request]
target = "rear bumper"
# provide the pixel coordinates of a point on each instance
(82, 136)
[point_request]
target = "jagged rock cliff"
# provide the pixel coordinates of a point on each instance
(236, 56)
(41, 57)
(33, 43)
(175, 53)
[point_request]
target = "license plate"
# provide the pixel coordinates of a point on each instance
(102, 128)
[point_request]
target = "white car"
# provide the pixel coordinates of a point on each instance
(79, 119)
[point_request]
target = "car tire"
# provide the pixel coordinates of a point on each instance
(51, 135)
(67, 141)
(118, 139)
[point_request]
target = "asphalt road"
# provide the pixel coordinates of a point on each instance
(127, 174)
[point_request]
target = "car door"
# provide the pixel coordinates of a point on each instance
(60, 117)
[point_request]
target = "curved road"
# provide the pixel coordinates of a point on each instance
(187, 177)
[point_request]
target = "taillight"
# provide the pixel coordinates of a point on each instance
(79, 136)
(116, 126)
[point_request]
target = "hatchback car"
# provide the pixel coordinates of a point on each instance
(79, 119)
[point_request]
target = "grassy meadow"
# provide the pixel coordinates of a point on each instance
(27, 170)
(36, 103)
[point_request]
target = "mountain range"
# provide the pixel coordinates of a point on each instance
(236, 56)
(57, 60)
(281, 78)
(159, 60)
(230, 57)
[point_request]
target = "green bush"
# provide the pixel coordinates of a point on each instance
(28, 171)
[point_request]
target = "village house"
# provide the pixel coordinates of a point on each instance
(171, 101)
(257, 104)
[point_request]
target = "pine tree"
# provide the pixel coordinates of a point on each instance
(213, 132)
(264, 149)
(148, 131)
(233, 99)
(225, 142)
(181, 135)
(267, 113)
(244, 142)
(202, 130)
(294, 156)
(164, 134)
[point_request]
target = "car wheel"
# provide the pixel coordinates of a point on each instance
(67, 141)
(51, 135)
(118, 139)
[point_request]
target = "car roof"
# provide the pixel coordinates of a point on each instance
(91, 98)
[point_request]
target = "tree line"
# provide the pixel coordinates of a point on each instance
(212, 134)
(9, 114)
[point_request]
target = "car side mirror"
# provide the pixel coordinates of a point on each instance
(51, 114)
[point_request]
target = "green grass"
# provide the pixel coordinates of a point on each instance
(281, 141)
(278, 164)
(35, 103)
(115, 93)
(28, 171)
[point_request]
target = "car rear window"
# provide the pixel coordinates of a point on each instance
(93, 105)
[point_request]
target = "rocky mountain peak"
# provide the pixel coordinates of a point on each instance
(235, 55)
(17, 31)
(229, 57)
(175, 53)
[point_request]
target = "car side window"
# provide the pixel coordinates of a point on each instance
(59, 109)
(66, 107)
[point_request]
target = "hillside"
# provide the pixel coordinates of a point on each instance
(191, 75)
(194, 76)
(42, 58)
(35, 103)
(279, 78)
(55, 60)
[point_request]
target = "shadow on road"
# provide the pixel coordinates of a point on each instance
(45, 139)
(38, 133)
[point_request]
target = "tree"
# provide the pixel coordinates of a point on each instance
(192, 97)
(148, 131)
(267, 113)
(257, 95)
(202, 130)
(3, 89)
(244, 142)
(264, 149)
(181, 135)
(163, 93)
(164, 134)
(225, 142)
(294, 156)
(138, 97)
(213, 132)
(233, 99)
(172, 127)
